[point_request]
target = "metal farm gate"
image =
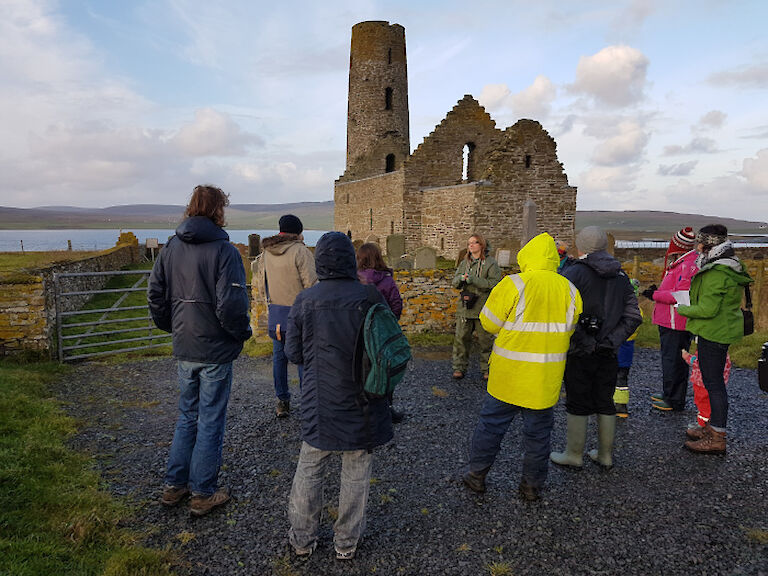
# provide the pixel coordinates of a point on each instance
(108, 320)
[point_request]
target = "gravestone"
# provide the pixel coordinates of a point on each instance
(529, 221)
(402, 263)
(395, 245)
(254, 245)
(357, 243)
(372, 239)
(503, 257)
(425, 258)
(611, 243)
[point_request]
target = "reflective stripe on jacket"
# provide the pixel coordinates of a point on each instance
(533, 315)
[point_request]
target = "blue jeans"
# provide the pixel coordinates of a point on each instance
(195, 455)
(712, 358)
(495, 418)
(280, 371)
(306, 501)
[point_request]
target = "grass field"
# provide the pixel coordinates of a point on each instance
(55, 519)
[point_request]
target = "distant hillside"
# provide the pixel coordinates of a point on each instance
(629, 225)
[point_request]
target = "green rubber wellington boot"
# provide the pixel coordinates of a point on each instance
(606, 431)
(576, 436)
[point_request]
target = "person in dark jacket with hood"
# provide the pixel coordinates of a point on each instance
(611, 314)
(197, 292)
(322, 330)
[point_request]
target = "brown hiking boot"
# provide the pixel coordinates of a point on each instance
(712, 442)
(202, 505)
(172, 495)
(695, 433)
(475, 481)
(283, 409)
(458, 374)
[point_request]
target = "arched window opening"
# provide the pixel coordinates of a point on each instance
(390, 163)
(388, 98)
(370, 213)
(468, 162)
(527, 160)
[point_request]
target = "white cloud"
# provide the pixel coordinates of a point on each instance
(214, 133)
(625, 147)
(535, 101)
(682, 169)
(696, 146)
(712, 119)
(745, 77)
(755, 170)
(615, 76)
(619, 181)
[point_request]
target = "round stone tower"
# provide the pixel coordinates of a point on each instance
(377, 118)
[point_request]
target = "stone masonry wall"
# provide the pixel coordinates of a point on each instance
(447, 218)
(354, 201)
(27, 305)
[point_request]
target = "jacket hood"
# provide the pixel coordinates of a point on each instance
(371, 276)
(603, 263)
(199, 230)
(279, 243)
(731, 266)
(540, 253)
(335, 257)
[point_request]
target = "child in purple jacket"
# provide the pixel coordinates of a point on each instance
(371, 269)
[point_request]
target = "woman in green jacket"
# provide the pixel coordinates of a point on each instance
(716, 320)
(477, 274)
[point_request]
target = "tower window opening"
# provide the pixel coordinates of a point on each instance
(347, 202)
(442, 244)
(527, 160)
(467, 162)
(349, 234)
(370, 213)
(389, 56)
(391, 226)
(390, 163)
(388, 98)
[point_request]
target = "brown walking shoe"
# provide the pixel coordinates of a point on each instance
(712, 442)
(458, 374)
(283, 409)
(202, 505)
(695, 432)
(172, 495)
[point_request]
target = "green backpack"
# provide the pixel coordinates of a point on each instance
(382, 351)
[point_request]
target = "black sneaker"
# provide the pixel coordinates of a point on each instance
(283, 408)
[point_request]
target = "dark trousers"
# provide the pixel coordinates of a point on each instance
(495, 418)
(589, 383)
(712, 357)
(673, 368)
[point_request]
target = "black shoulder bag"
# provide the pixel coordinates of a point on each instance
(749, 319)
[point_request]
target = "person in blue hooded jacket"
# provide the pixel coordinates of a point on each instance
(197, 292)
(322, 330)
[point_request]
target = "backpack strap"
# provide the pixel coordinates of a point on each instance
(359, 359)
(748, 297)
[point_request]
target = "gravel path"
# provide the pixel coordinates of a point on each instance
(661, 510)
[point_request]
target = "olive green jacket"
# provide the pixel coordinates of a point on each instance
(483, 276)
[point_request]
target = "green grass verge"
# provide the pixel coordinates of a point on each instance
(54, 517)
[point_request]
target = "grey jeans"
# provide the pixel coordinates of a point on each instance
(306, 502)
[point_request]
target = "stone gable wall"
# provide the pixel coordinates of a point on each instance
(353, 202)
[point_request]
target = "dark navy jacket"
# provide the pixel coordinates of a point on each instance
(322, 329)
(197, 292)
(607, 294)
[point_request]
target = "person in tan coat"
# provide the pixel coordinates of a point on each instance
(283, 269)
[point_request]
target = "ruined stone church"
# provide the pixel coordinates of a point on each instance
(466, 176)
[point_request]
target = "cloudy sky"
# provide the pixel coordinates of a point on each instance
(655, 104)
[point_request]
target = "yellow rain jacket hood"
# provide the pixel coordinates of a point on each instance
(533, 315)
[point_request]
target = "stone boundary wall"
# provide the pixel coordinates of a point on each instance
(27, 303)
(429, 300)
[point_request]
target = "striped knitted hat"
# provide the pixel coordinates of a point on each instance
(682, 241)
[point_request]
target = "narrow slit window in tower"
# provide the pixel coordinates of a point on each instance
(527, 160)
(391, 226)
(389, 56)
(347, 198)
(467, 162)
(370, 213)
(388, 98)
(349, 234)
(390, 163)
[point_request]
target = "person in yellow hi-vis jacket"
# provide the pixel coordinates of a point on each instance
(533, 315)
